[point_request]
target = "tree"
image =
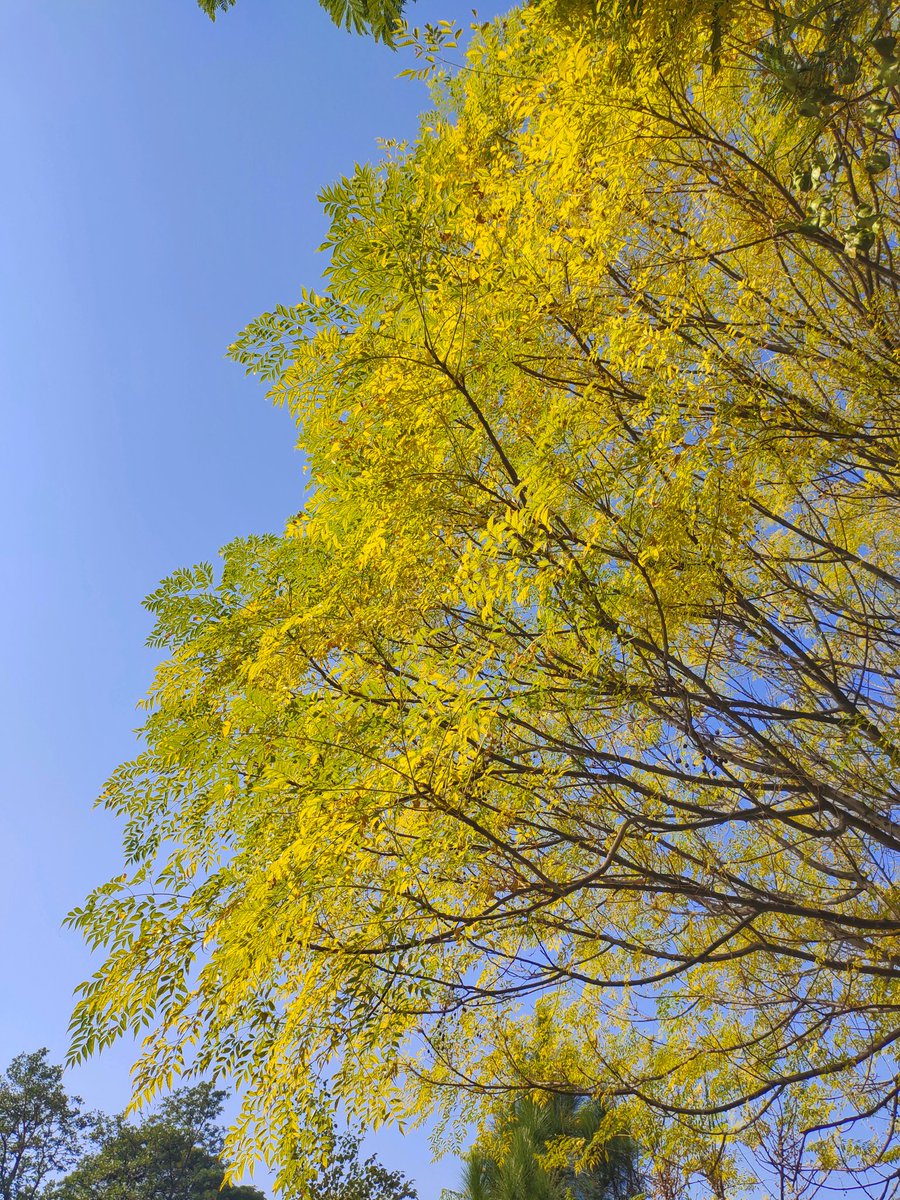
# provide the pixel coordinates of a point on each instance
(549, 1151)
(40, 1126)
(378, 17)
(175, 1154)
(345, 1177)
(553, 747)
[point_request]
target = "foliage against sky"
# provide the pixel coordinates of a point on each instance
(348, 1176)
(41, 1127)
(554, 745)
(377, 17)
(175, 1153)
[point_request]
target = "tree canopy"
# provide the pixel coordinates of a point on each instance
(347, 1176)
(548, 1151)
(377, 17)
(174, 1154)
(554, 746)
(41, 1126)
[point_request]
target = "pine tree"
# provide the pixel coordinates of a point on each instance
(548, 1150)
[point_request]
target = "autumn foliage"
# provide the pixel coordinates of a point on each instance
(553, 747)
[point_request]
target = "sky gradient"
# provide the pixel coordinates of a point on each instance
(159, 190)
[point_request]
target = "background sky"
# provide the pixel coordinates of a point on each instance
(158, 177)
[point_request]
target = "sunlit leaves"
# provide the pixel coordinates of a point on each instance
(554, 745)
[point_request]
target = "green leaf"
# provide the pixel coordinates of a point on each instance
(875, 112)
(877, 162)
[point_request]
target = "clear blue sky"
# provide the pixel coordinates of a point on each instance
(159, 177)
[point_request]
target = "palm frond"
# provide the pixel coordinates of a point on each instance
(211, 7)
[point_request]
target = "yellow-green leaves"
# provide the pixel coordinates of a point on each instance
(555, 743)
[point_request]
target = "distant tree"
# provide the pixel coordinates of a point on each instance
(549, 1151)
(347, 1177)
(377, 17)
(175, 1154)
(41, 1127)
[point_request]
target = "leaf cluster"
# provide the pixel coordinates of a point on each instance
(550, 1150)
(553, 747)
(41, 1127)
(173, 1154)
(380, 18)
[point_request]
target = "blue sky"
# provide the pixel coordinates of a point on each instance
(159, 177)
